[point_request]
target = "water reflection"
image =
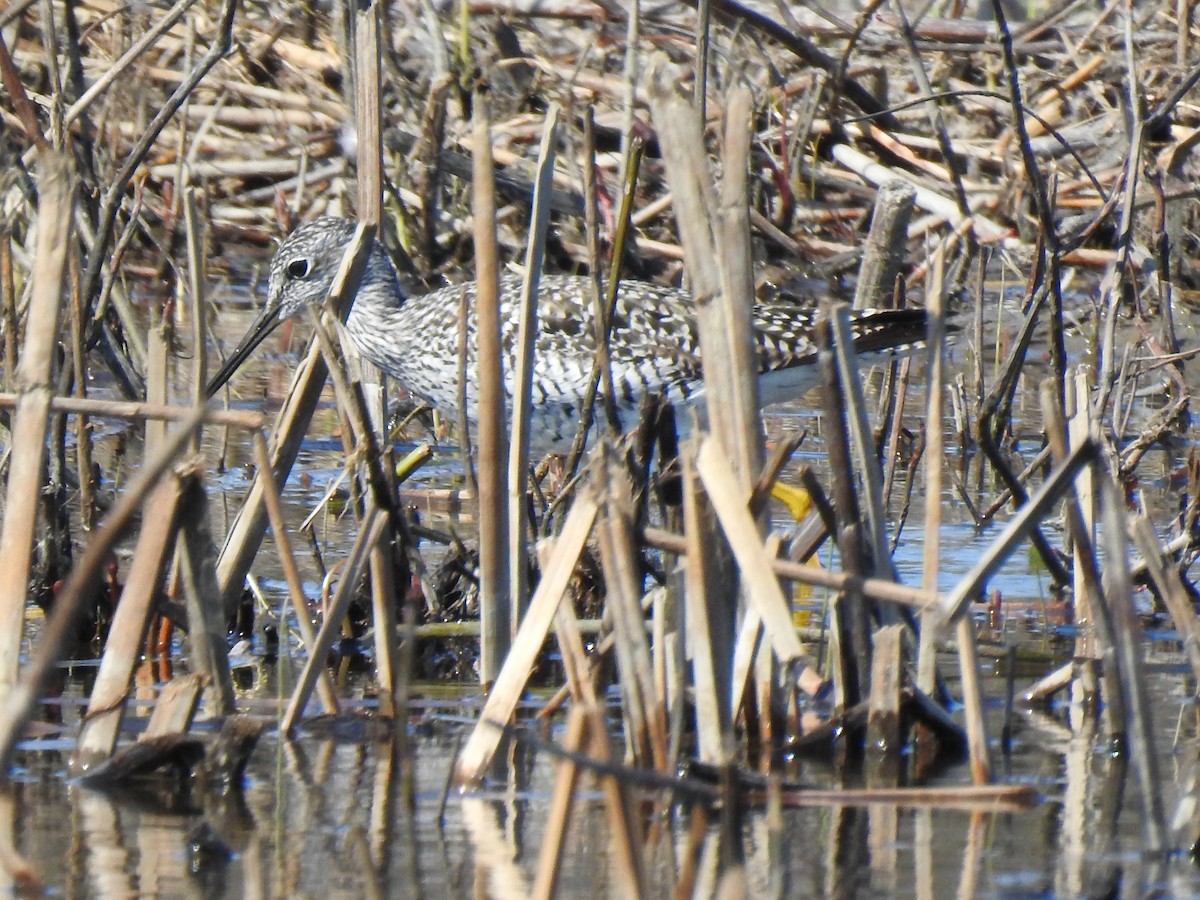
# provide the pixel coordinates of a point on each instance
(337, 819)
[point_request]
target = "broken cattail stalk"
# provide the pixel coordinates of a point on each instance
(716, 239)
(762, 587)
(883, 716)
(875, 588)
(887, 240)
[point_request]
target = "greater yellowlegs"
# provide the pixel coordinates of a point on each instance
(653, 345)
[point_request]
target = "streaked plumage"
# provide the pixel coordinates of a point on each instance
(654, 344)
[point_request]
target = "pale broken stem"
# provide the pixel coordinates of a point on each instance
(375, 521)
(506, 691)
(758, 577)
(291, 574)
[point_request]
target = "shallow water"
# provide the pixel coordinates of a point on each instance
(326, 817)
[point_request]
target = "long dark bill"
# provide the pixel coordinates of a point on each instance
(266, 322)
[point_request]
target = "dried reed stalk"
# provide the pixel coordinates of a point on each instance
(972, 688)
(122, 409)
(175, 707)
(207, 627)
(712, 683)
(8, 306)
(561, 801)
(158, 342)
(35, 381)
(887, 242)
(716, 239)
(641, 707)
(1079, 427)
(495, 602)
(600, 378)
(762, 587)
(1127, 641)
(935, 338)
(291, 574)
(527, 329)
(373, 526)
(850, 626)
(626, 833)
(368, 89)
(883, 716)
(874, 588)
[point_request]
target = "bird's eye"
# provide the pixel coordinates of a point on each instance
(298, 268)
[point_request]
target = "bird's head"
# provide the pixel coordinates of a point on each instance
(302, 273)
(305, 265)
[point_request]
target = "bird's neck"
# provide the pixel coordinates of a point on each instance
(413, 340)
